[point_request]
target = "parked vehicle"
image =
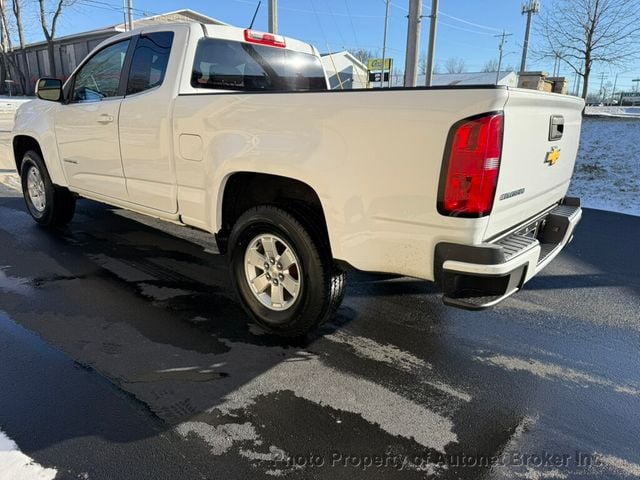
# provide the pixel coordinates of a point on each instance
(233, 131)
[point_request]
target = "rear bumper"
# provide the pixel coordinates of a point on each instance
(480, 276)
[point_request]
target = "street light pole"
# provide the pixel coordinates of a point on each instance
(384, 47)
(413, 42)
(501, 49)
(273, 16)
(130, 13)
(432, 40)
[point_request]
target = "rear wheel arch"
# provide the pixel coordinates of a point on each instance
(245, 190)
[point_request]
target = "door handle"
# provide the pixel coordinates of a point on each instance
(105, 118)
(556, 127)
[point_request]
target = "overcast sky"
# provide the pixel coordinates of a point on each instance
(466, 28)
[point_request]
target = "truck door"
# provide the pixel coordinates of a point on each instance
(87, 126)
(145, 122)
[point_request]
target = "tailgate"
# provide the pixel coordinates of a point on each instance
(536, 168)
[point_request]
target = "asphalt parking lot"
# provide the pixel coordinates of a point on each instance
(123, 354)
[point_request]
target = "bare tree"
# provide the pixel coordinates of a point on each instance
(17, 14)
(455, 65)
(422, 63)
(584, 32)
(9, 63)
(490, 65)
(12, 59)
(363, 54)
(50, 32)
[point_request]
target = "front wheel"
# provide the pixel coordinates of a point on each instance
(283, 272)
(48, 204)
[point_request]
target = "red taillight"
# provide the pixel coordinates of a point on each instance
(468, 185)
(263, 38)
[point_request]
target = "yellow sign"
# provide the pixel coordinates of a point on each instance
(553, 156)
(376, 64)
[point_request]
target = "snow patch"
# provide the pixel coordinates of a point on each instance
(15, 465)
(372, 350)
(275, 454)
(551, 371)
(619, 465)
(220, 438)
(16, 285)
(309, 378)
(533, 474)
(161, 293)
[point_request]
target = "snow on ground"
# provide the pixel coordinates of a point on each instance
(8, 107)
(607, 173)
(15, 465)
(624, 112)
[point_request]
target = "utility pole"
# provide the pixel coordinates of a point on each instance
(432, 40)
(556, 64)
(130, 13)
(529, 9)
(273, 16)
(613, 92)
(635, 84)
(384, 47)
(603, 75)
(501, 49)
(579, 80)
(413, 43)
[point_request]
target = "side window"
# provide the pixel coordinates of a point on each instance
(100, 77)
(150, 60)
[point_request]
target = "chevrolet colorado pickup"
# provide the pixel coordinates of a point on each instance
(234, 132)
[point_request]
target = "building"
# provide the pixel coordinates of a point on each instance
(69, 51)
(345, 71)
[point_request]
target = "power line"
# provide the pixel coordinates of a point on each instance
(462, 20)
(463, 29)
(312, 12)
(353, 27)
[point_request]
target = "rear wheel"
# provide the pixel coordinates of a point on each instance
(282, 272)
(48, 204)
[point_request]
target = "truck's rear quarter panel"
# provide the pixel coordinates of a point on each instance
(374, 159)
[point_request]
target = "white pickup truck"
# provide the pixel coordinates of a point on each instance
(234, 132)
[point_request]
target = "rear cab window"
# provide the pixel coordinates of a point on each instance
(232, 65)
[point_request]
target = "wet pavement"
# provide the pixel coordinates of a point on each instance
(124, 354)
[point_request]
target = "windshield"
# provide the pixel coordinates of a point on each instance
(229, 65)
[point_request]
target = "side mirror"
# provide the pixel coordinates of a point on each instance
(49, 89)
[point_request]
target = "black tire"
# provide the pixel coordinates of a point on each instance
(59, 203)
(322, 285)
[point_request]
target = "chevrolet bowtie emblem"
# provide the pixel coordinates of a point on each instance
(553, 156)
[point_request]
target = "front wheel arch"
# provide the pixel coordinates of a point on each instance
(21, 145)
